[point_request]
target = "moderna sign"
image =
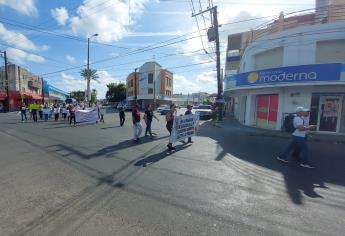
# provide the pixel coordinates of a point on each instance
(290, 74)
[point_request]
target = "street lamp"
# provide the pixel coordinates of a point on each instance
(88, 68)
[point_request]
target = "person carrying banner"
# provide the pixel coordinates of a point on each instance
(137, 128)
(72, 115)
(189, 112)
(169, 117)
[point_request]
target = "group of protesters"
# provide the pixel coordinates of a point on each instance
(46, 111)
(148, 117)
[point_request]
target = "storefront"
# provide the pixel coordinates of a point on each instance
(264, 98)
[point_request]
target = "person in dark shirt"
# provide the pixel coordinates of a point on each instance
(122, 116)
(189, 112)
(72, 115)
(169, 117)
(148, 119)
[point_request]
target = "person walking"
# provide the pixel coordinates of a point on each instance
(72, 115)
(122, 116)
(102, 112)
(148, 120)
(298, 139)
(189, 112)
(137, 128)
(40, 111)
(56, 110)
(34, 109)
(46, 111)
(64, 111)
(23, 112)
(169, 117)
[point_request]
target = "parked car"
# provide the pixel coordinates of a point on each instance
(195, 107)
(162, 107)
(165, 110)
(204, 111)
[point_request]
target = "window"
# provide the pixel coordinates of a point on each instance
(150, 78)
(150, 91)
(330, 51)
(269, 59)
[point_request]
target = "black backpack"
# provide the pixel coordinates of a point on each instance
(288, 124)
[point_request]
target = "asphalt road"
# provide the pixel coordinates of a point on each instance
(93, 180)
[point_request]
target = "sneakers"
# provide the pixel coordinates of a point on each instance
(282, 160)
(307, 166)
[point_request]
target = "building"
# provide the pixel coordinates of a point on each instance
(23, 86)
(150, 85)
(53, 94)
(294, 61)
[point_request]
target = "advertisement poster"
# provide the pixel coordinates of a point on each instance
(86, 116)
(331, 108)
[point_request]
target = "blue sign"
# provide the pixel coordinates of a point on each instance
(289, 74)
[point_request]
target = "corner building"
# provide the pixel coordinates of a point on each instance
(294, 61)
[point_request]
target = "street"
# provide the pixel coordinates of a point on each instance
(93, 180)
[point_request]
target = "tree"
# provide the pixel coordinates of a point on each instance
(116, 92)
(78, 95)
(89, 74)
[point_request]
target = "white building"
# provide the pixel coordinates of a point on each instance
(295, 61)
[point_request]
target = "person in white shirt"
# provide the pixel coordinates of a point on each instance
(64, 111)
(298, 138)
(46, 112)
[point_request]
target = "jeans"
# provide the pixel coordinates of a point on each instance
(137, 129)
(34, 115)
(40, 113)
(300, 143)
(148, 127)
(122, 120)
(46, 116)
(70, 120)
(23, 115)
(64, 115)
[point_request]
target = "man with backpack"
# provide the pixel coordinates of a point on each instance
(137, 128)
(298, 138)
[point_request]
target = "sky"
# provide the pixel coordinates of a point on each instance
(49, 38)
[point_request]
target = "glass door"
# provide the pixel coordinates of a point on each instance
(329, 113)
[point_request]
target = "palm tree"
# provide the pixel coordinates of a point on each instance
(89, 74)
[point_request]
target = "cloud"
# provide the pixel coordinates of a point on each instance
(111, 23)
(185, 86)
(72, 83)
(25, 7)
(21, 57)
(70, 59)
(60, 15)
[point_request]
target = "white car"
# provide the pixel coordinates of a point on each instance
(204, 111)
(162, 107)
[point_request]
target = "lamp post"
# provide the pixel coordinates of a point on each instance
(88, 69)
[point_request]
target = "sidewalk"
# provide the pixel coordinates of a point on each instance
(231, 124)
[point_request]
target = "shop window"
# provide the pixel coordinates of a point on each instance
(150, 91)
(269, 59)
(314, 109)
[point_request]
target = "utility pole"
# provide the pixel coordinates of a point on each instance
(88, 70)
(135, 86)
(213, 35)
(7, 83)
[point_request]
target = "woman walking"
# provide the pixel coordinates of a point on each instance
(71, 115)
(148, 120)
(169, 117)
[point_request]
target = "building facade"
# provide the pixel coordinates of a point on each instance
(150, 85)
(53, 94)
(296, 61)
(23, 86)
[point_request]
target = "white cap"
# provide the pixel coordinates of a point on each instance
(299, 109)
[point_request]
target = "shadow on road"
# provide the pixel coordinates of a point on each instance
(262, 151)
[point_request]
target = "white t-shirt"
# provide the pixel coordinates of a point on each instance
(297, 121)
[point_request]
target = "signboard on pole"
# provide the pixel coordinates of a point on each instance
(86, 116)
(184, 127)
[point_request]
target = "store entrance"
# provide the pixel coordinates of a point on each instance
(329, 113)
(266, 111)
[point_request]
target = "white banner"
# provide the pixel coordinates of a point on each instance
(184, 127)
(86, 116)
